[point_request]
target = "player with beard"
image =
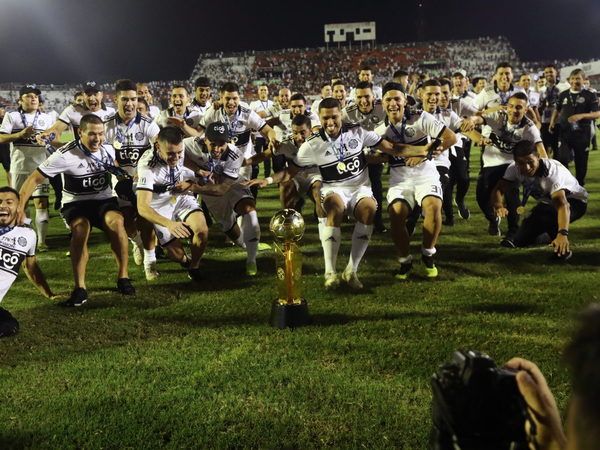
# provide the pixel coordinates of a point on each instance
(17, 246)
(413, 181)
(179, 111)
(202, 95)
(20, 128)
(144, 93)
(368, 113)
(504, 129)
(85, 165)
(131, 135)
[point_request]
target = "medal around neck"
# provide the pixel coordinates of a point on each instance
(289, 310)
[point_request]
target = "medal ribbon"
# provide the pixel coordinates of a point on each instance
(110, 166)
(6, 229)
(47, 142)
(401, 134)
(35, 118)
(120, 134)
(231, 127)
(527, 188)
(340, 153)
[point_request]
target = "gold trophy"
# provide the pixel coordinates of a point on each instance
(289, 310)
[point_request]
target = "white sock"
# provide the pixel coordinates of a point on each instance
(41, 223)
(251, 234)
(240, 240)
(428, 251)
(149, 257)
(405, 259)
(331, 240)
(137, 240)
(360, 241)
(321, 224)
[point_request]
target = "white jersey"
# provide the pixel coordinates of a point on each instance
(200, 108)
(416, 128)
(288, 148)
(369, 121)
(239, 126)
(134, 139)
(549, 99)
(257, 106)
(534, 98)
(284, 129)
(153, 111)
(26, 154)
(320, 151)
(155, 175)
(462, 108)
(491, 96)
(466, 96)
(15, 246)
(190, 116)
(227, 166)
(84, 178)
(452, 121)
(72, 114)
(504, 137)
(551, 177)
(377, 93)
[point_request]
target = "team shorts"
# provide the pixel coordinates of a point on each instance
(305, 180)
(93, 210)
(350, 196)
(41, 190)
(125, 191)
(414, 191)
(5, 156)
(181, 210)
(223, 207)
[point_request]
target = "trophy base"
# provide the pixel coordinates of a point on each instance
(289, 316)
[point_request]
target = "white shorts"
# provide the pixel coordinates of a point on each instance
(350, 196)
(41, 190)
(222, 207)
(181, 210)
(414, 191)
(304, 181)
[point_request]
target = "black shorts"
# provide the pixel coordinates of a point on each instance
(92, 210)
(5, 156)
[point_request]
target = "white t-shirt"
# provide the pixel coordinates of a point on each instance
(15, 246)
(191, 116)
(72, 114)
(228, 165)
(491, 96)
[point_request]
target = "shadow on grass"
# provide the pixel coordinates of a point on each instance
(503, 308)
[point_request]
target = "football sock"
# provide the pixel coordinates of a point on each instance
(428, 251)
(41, 223)
(360, 241)
(251, 234)
(149, 257)
(331, 240)
(321, 224)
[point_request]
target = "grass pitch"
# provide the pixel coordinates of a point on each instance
(181, 366)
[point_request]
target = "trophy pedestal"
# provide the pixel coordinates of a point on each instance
(289, 316)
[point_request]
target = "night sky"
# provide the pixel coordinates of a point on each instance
(57, 41)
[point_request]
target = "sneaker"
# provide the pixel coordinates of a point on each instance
(562, 258)
(194, 275)
(331, 280)
(405, 268)
(151, 272)
(138, 256)
(78, 297)
(463, 210)
(430, 268)
(125, 287)
(251, 269)
(262, 246)
(449, 222)
(494, 228)
(507, 242)
(42, 247)
(186, 263)
(350, 277)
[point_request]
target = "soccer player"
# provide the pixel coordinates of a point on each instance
(202, 95)
(144, 93)
(340, 93)
(219, 163)
(413, 181)
(460, 84)
(326, 91)
(87, 200)
(479, 84)
(179, 111)
(561, 198)
(504, 129)
(163, 201)
(260, 143)
(365, 74)
(131, 135)
(548, 102)
(17, 246)
(20, 128)
(498, 94)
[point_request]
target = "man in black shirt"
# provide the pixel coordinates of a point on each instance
(577, 109)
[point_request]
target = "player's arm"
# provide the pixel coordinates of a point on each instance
(258, 158)
(37, 278)
(214, 189)
(496, 196)
(269, 133)
(58, 129)
(561, 242)
(283, 175)
(6, 138)
(552, 120)
(584, 116)
(541, 150)
(187, 129)
(26, 190)
(177, 229)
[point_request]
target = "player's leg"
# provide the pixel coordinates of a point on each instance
(364, 212)
(80, 230)
(334, 206)
(315, 194)
(197, 223)
(114, 224)
(399, 210)
(42, 216)
(432, 224)
(246, 208)
(287, 194)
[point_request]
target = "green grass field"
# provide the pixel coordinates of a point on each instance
(180, 366)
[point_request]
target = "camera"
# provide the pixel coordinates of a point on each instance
(477, 405)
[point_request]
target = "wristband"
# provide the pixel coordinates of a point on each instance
(269, 180)
(563, 232)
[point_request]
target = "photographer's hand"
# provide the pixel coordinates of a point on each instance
(541, 405)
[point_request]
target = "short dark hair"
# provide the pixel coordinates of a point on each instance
(170, 135)
(4, 189)
(298, 96)
(338, 83)
(89, 119)
(503, 65)
(327, 83)
(180, 86)
(202, 82)
(520, 96)
(364, 85)
(301, 120)
(143, 102)
(444, 82)
(476, 80)
(431, 83)
(330, 103)
(365, 67)
(125, 85)
(577, 72)
(392, 86)
(400, 73)
(77, 94)
(524, 148)
(230, 86)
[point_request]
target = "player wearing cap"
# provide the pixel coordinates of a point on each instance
(201, 101)
(144, 93)
(85, 165)
(498, 94)
(561, 198)
(20, 128)
(504, 128)
(131, 135)
(163, 199)
(460, 84)
(179, 111)
(218, 163)
(413, 181)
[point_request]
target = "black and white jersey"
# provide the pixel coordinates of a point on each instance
(15, 245)
(26, 154)
(491, 96)
(72, 114)
(452, 122)
(549, 99)
(133, 139)
(534, 98)
(84, 178)
(284, 129)
(377, 93)
(416, 128)
(369, 121)
(155, 175)
(462, 108)
(227, 166)
(191, 116)
(259, 105)
(467, 96)
(551, 177)
(348, 146)
(240, 125)
(153, 111)
(200, 108)
(504, 136)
